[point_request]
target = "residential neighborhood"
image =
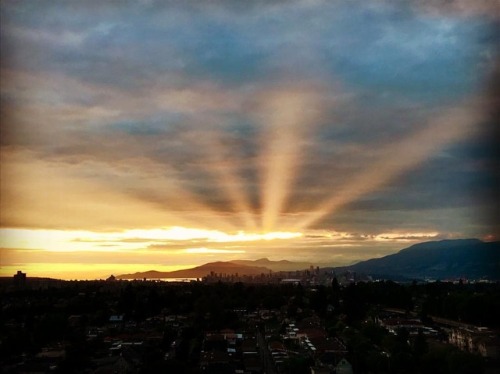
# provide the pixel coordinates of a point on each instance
(116, 326)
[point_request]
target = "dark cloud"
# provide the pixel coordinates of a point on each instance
(164, 102)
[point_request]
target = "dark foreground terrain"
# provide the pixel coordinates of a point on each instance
(113, 326)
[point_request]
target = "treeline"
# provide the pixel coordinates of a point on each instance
(477, 304)
(34, 318)
(470, 303)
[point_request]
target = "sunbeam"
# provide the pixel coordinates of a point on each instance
(449, 127)
(121, 194)
(225, 166)
(171, 133)
(289, 117)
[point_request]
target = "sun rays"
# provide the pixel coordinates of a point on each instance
(289, 119)
(398, 157)
(162, 134)
(285, 120)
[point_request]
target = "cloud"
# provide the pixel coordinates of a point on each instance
(407, 236)
(448, 128)
(204, 250)
(348, 115)
(12, 257)
(45, 194)
(483, 8)
(288, 116)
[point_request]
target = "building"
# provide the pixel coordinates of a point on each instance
(19, 279)
(343, 367)
(478, 340)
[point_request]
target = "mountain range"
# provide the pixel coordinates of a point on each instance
(460, 258)
(200, 271)
(282, 265)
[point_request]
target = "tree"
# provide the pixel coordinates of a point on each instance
(420, 346)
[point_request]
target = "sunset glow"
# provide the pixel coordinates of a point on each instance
(60, 240)
(163, 136)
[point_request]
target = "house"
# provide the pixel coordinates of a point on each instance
(116, 319)
(478, 340)
(252, 364)
(319, 370)
(343, 367)
(249, 346)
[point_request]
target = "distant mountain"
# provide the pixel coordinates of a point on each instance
(283, 265)
(464, 258)
(199, 271)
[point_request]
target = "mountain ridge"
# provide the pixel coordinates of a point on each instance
(280, 265)
(199, 271)
(451, 258)
(457, 258)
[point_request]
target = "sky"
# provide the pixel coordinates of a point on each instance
(163, 135)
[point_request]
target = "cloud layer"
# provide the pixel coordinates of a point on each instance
(367, 117)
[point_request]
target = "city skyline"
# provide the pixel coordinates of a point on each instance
(164, 136)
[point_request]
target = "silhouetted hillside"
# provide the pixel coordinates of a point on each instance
(282, 265)
(464, 258)
(199, 271)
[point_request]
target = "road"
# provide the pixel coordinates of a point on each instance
(265, 355)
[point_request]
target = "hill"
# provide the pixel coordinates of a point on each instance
(199, 271)
(282, 265)
(464, 258)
